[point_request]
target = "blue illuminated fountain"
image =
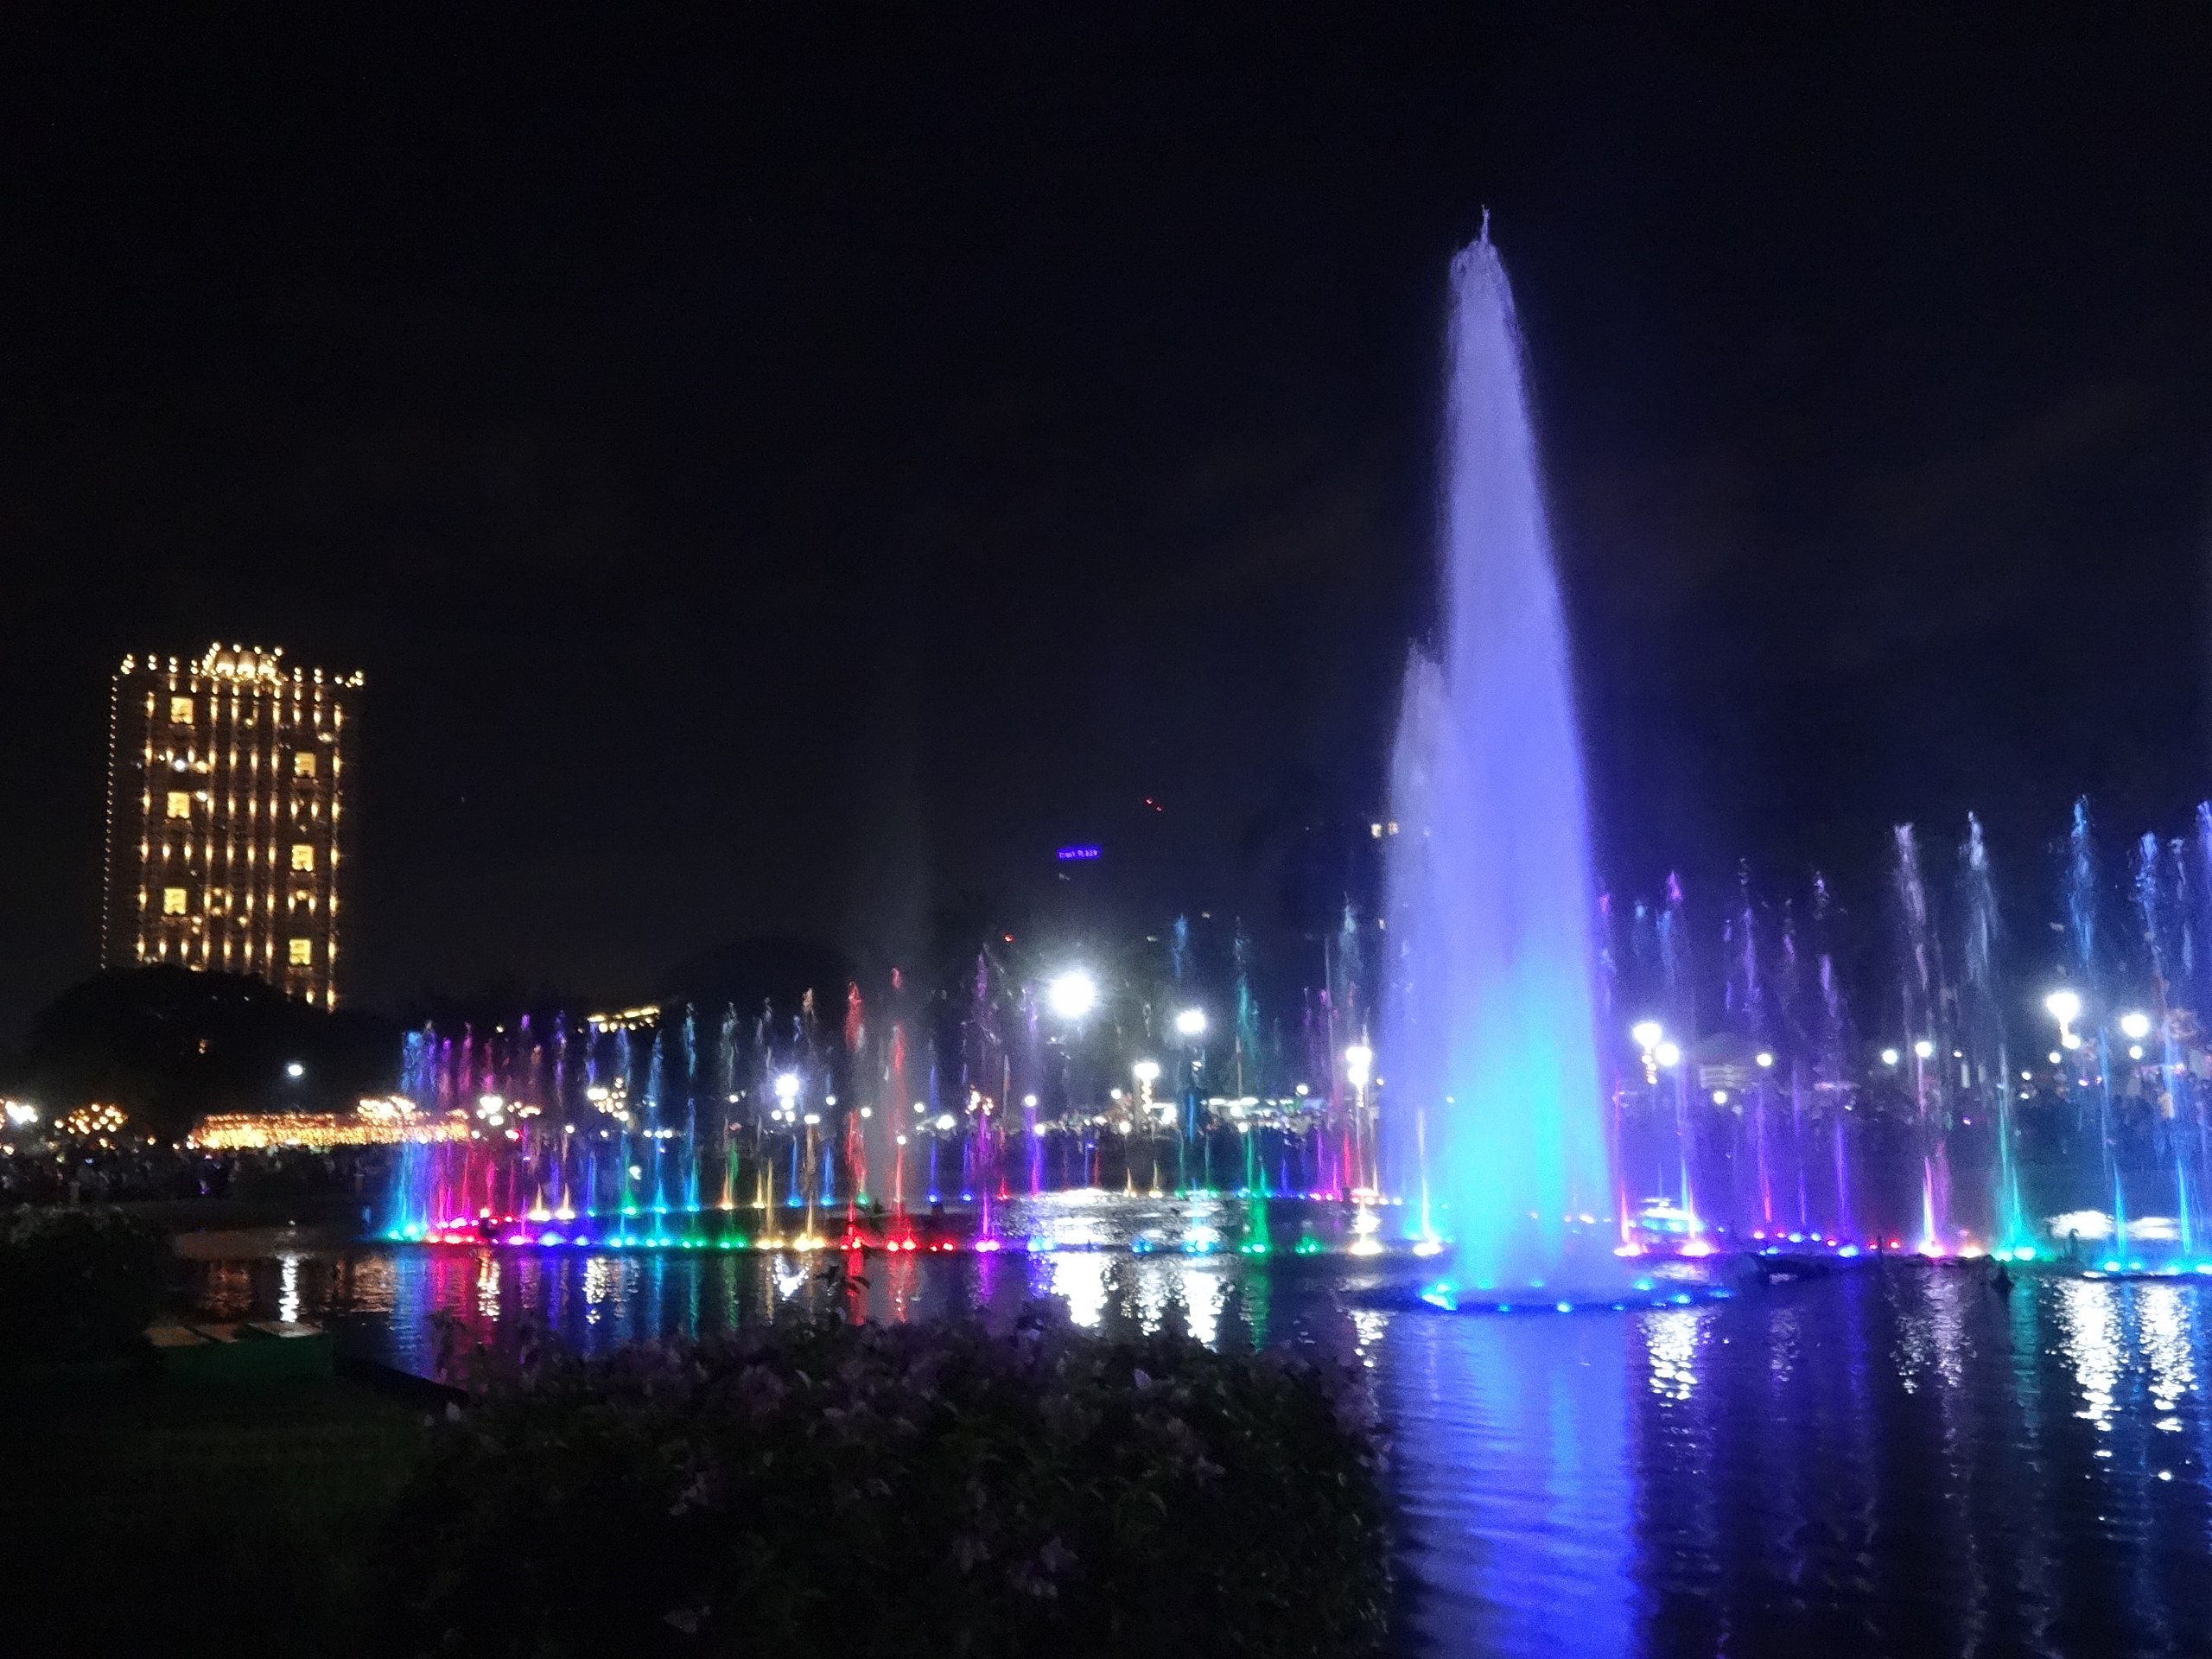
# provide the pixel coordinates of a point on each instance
(1494, 1122)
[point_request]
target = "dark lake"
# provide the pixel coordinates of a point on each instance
(1893, 1461)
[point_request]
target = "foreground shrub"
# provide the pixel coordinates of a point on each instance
(77, 1283)
(937, 1489)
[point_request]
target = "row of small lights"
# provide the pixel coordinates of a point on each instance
(2065, 1006)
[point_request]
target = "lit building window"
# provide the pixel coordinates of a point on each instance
(302, 953)
(302, 855)
(180, 711)
(302, 764)
(172, 901)
(180, 804)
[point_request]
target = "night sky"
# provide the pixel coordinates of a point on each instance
(777, 478)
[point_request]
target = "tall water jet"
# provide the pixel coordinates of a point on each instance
(1982, 1010)
(1920, 1005)
(1489, 1051)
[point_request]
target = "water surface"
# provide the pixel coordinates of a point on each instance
(1894, 1461)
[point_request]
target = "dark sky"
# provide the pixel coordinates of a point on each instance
(775, 476)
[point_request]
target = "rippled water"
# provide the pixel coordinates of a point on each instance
(1894, 1461)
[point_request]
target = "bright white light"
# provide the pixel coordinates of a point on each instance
(1765, 1060)
(2135, 1027)
(1072, 994)
(1647, 1033)
(1889, 1057)
(944, 1120)
(1030, 1101)
(1667, 1054)
(1721, 1097)
(2064, 1006)
(867, 1112)
(2135, 1051)
(1923, 1048)
(787, 1087)
(296, 1070)
(814, 1117)
(1191, 1022)
(1357, 1058)
(1146, 1070)
(2072, 1041)
(2056, 1057)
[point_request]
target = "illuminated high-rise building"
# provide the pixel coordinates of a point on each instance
(227, 816)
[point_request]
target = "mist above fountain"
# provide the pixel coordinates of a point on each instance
(1494, 1127)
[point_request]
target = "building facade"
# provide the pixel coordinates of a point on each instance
(227, 816)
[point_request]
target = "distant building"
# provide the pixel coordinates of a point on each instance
(227, 816)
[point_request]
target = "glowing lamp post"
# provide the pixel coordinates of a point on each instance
(1072, 994)
(1146, 1073)
(1648, 1034)
(1191, 1023)
(2065, 1006)
(2135, 1027)
(1359, 1064)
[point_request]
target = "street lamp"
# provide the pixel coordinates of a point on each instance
(1357, 1058)
(1765, 1060)
(1923, 1048)
(295, 1070)
(2135, 1027)
(1072, 994)
(1359, 1062)
(1191, 1022)
(1888, 1057)
(1146, 1073)
(1647, 1033)
(1668, 1053)
(787, 1088)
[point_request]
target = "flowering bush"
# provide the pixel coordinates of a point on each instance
(77, 1283)
(863, 1490)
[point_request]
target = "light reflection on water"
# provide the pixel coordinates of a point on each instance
(1898, 1461)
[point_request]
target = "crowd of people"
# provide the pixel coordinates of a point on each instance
(120, 1171)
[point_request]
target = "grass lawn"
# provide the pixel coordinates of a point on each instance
(144, 1515)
